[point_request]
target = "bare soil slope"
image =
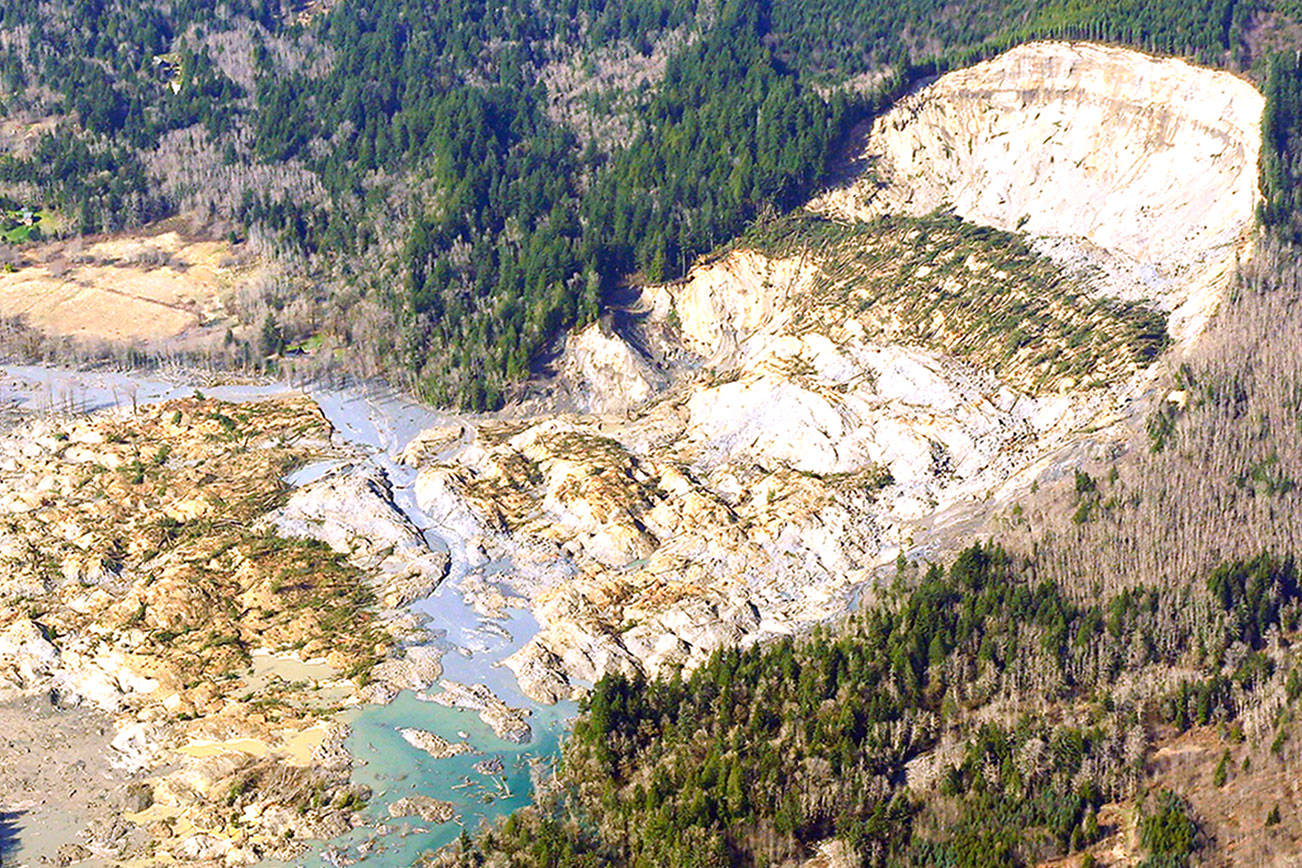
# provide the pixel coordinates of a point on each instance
(1147, 165)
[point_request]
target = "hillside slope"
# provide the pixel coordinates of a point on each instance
(833, 386)
(441, 191)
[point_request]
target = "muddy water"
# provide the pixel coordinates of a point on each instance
(473, 650)
(378, 425)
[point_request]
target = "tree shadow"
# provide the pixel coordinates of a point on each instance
(9, 827)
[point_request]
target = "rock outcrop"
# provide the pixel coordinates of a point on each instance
(26, 654)
(418, 668)
(603, 374)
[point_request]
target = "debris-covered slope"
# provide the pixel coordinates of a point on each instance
(759, 436)
(156, 569)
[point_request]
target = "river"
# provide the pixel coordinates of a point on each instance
(378, 425)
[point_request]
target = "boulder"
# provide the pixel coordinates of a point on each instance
(26, 654)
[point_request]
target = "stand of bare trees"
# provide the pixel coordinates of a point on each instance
(1220, 478)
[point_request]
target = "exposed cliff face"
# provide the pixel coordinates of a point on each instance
(1146, 166)
(851, 378)
(604, 374)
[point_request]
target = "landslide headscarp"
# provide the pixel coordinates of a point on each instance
(1145, 167)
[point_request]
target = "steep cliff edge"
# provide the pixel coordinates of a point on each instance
(1146, 166)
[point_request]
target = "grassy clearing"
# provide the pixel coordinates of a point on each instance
(20, 225)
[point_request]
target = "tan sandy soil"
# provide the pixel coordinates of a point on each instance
(55, 778)
(135, 289)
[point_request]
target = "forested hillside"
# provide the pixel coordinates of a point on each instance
(978, 718)
(1117, 679)
(445, 185)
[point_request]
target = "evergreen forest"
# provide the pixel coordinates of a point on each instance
(447, 185)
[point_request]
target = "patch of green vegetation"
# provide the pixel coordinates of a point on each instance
(888, 731)
(870, 479)
(19, 225)
(308, 345)
(1167, 832)
(1265, 478)
(1221, 773)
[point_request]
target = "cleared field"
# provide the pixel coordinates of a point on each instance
(139, 290)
